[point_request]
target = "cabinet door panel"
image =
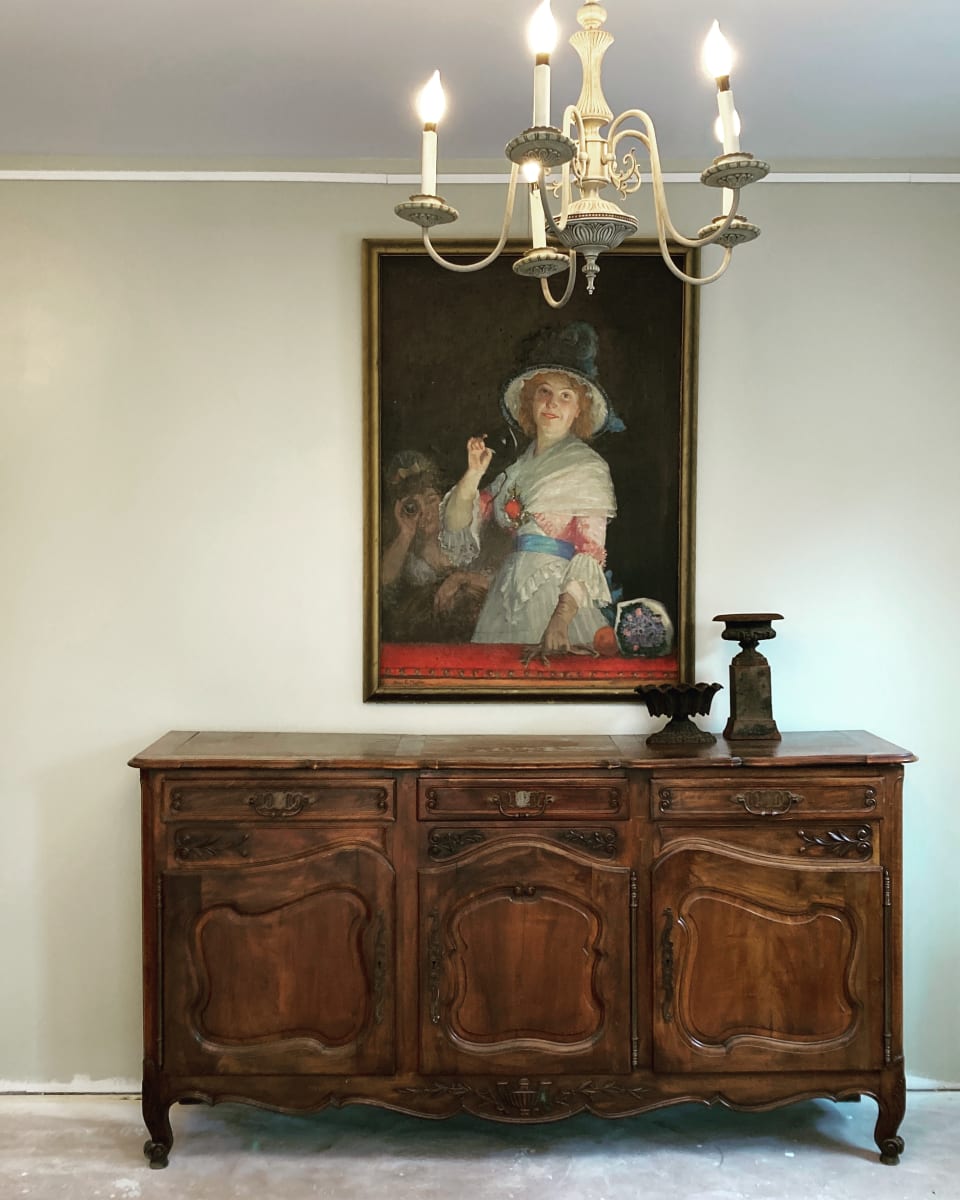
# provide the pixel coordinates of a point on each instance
(281, 968)
(765, 964)
(526, 961)
(838, 841)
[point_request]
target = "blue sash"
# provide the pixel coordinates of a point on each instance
(539, 543)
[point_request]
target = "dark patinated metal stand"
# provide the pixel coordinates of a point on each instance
(751, 704)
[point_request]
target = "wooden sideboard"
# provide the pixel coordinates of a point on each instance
(520, 928)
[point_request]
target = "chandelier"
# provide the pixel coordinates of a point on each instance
(592, 152)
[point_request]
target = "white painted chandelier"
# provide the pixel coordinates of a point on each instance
(592, 161)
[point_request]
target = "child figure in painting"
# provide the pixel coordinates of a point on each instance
(556, 500)
(425, 598)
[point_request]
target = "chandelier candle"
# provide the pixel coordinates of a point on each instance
(538, 226)
(542, 39)
(717, 60)
(431, 105)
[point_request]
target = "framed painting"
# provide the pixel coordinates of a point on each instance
(529, 478)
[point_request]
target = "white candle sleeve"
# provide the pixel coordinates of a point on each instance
(428, 163)
(541, 94)
(731, 139)
(538, 225)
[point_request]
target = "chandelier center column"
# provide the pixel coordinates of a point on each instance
(591, 42)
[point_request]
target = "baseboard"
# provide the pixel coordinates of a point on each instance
(80, 1085)
(918, 1083)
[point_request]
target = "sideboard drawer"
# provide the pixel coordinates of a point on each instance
(535, 796)
(280, 798)
(764, 795)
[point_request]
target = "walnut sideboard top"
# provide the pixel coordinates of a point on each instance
(434, 752)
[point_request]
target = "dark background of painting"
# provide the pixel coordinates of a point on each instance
(449, 342)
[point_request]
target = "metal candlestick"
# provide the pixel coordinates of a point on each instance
(751, 705)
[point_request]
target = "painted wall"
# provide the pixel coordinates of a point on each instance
(180, 531)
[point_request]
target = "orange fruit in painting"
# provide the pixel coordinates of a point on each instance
(605, 641)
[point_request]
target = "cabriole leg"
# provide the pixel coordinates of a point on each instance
(892, 1104)
(156, 1117)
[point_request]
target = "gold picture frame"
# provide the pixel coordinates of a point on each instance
(438, 347)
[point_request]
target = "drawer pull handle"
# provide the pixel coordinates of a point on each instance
(521, 803)
(768, 802)
(280, 804)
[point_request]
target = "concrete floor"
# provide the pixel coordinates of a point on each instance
(89, 1148)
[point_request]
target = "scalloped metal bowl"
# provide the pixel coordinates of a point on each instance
(679, 702)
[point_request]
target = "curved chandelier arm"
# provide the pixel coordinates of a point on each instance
(663, 216)
(555, 227)
(574, 127)
(700, 280)
(626, 133)
(504, 232)
(682, 275)
(663, 213)
(614, 133)
(565, 196)
(572, 123)
(649, 140)
(571, 281)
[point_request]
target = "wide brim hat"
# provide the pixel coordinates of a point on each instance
(570, 350)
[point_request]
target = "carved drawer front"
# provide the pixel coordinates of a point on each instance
(767, 796)
(280, 799)
(842, 839)
(207, 845)
(597, 842)
(522, 797)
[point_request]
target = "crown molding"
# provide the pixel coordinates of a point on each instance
(386, 179)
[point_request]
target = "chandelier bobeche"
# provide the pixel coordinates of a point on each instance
(592, 161)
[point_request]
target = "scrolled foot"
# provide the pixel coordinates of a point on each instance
(891, 1106)
(157, 1154)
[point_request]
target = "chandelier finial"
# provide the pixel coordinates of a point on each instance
(592, 15)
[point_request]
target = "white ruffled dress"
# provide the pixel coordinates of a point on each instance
(558, 501)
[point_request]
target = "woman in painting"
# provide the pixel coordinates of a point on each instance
(556, 500)
(425, 598)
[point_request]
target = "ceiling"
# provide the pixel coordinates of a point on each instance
(836, 85)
